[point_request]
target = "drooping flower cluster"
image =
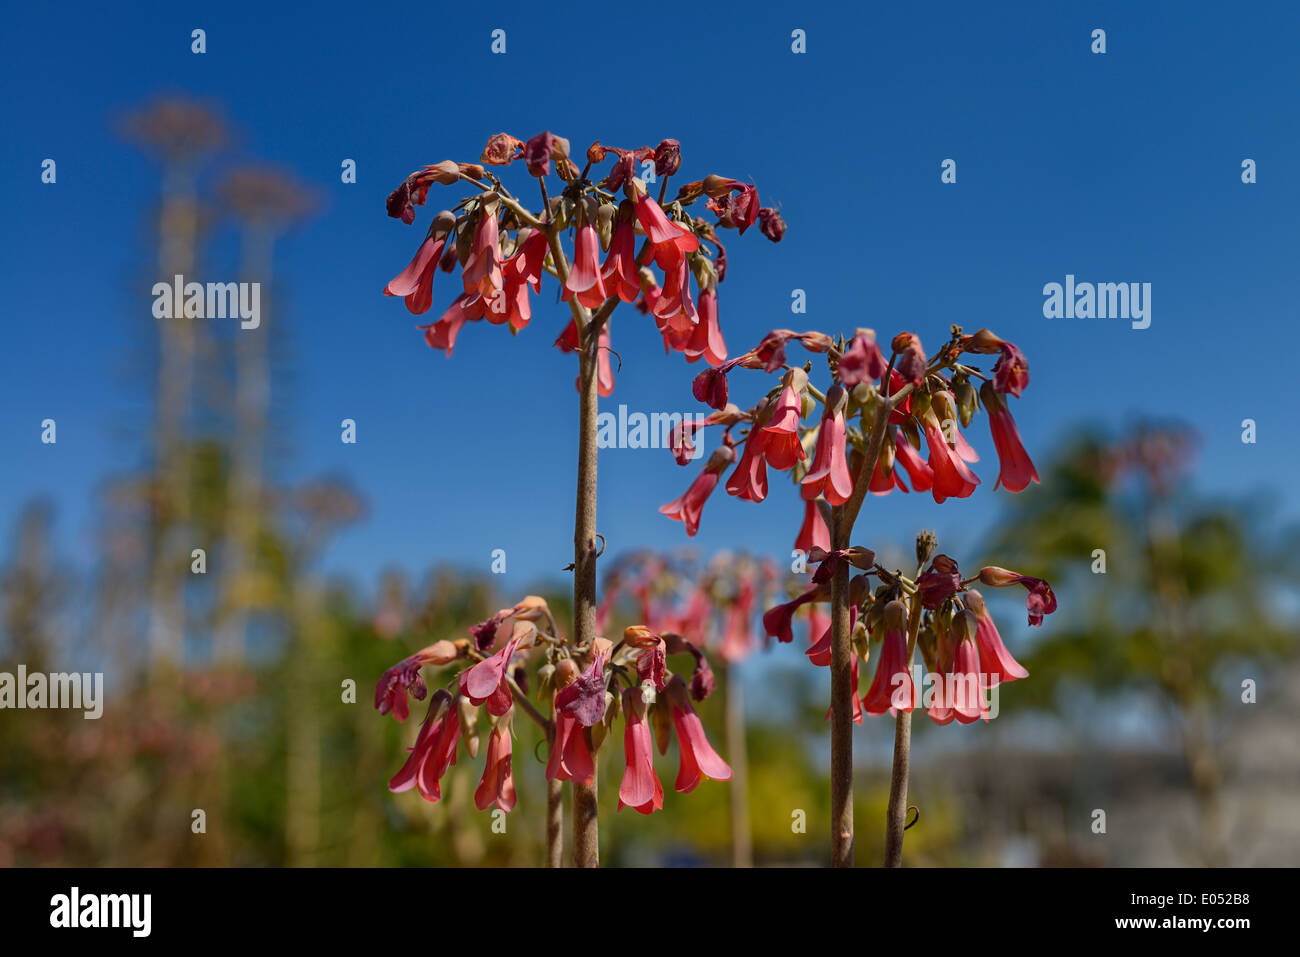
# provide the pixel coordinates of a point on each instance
(711, 605)
(503, 248)
(938, 611)
(580, 685)
(930, 402)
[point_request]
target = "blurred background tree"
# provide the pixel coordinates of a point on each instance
(1174, 599)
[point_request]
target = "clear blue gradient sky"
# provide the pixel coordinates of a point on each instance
(1115, 167)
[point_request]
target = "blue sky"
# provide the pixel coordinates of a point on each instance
(1116, 167)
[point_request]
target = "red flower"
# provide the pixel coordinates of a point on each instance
(390, 692)
(497, 786)
(952, 479)
(1017, 470)
(486, 681)
(520, 271)
(620, 273)
(688, 506)
(482, 271)
(917, 470)
(885, 478)
(734, 212)
(710, 387)
(892, 687)
(782, 446)
(698, 759)
(640, 788)
(434, 750)
(1040, 601)
(960, 694)
(777, 620)
(813, 533)
(442, 334)
(673, 309)
(570, 757)
(938, 584)
(584, 697)
(862, 360)
(771, 224)
(911, 362)
(996, 662)
(829, 473)
(415, 282)
(819, 652)
(706, 337)
(736, 637)
(544, 147)
(585, 276)
(1011, 371)
(749, 480)
(578, 705)
(669, 242)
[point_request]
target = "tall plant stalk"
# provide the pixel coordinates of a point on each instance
(843, 518)
(586, 814)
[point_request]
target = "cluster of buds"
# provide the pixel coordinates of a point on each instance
(587, 688)
(890, 409)
(709, 606)
(937, 611)
(503, 248)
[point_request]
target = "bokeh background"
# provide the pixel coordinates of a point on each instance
(330, 561)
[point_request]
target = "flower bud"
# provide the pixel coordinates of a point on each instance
(816, 342)
(450, 257)
(716, 186)
(566, 670)
(661, 722)
(895, 616)
(531, 608)
(861, 643)
(926, 641)
(501, 150)
(545, 680)
(770, 224)
(997, 577)
(524, 633)
(964, 624)
(875, 617)
(468, 715)
(945, 409)
(860, 557)
(439, 653)
(913, 434)
(639, 636)
(926, 542)
(864, 396)
(920, 404)
(561, 211)
(443, 223)
(445, 173)
(668, 157)
(983, 342)
(967, 400)
(837, 398)
(944, 564)
(605, 223)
